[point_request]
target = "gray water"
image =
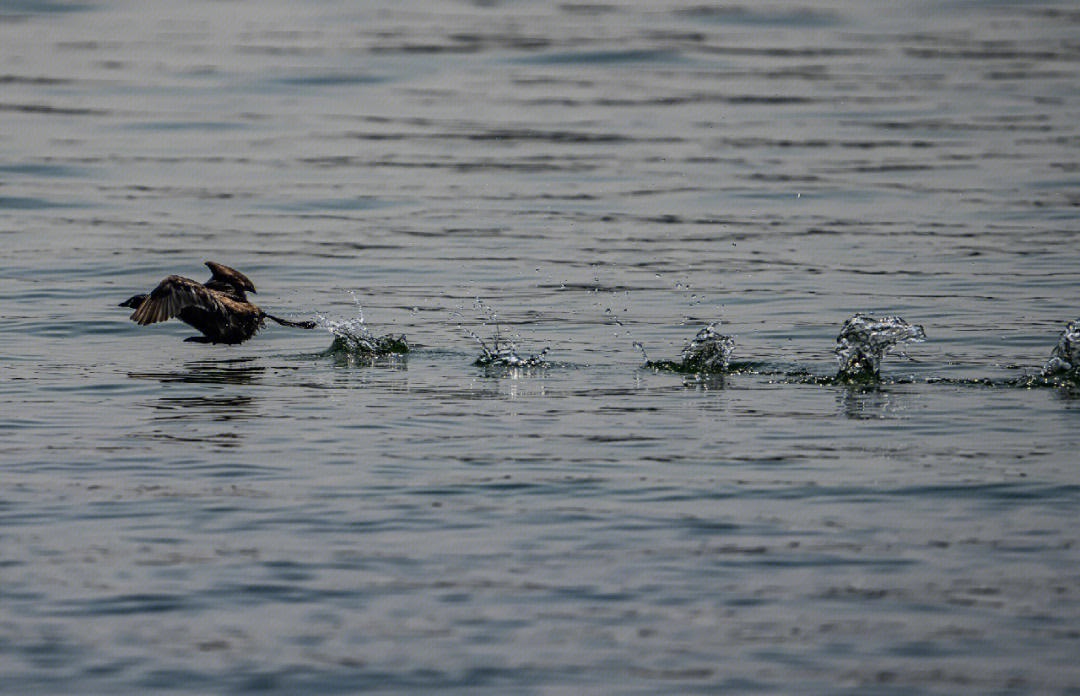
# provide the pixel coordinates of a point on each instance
(283, 518)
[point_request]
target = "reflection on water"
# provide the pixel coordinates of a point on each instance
(1069, 393)
(344, 357)
(704, 381)
(191, 410)
(235, 371)
(870, 401)
(218, 408)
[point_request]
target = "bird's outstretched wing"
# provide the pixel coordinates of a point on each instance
(171, 296)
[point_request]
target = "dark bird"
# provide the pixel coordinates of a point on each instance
(219, 308)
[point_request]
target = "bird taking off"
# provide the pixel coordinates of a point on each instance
(218, 308)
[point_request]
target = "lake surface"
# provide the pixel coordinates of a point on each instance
(284, 518)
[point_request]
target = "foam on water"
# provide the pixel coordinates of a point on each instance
(1066, 354)
(353, 337)
(864, 341)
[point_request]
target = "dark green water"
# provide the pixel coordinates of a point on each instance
(281, 518)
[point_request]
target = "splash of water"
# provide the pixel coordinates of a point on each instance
(1066, 354)
(864, 341)
(353, 337)
(709, 351)
(644, 355)
(502, 352)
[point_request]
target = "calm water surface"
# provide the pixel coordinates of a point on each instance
(274, 517)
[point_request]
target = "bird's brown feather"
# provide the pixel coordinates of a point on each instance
(218, 308)
(225, 276)
(171, 296)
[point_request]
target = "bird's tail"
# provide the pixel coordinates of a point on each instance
(293, 324)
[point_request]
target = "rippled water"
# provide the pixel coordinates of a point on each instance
(283, 517)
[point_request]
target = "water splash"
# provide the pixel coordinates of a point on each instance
(864, 341)
(1066, 354)
(502, 352)
(353, 337)
(709, 351)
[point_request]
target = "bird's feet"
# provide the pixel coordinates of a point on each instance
(197, 339)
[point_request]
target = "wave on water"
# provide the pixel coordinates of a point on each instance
(503, 351)
(708, 352)
(864, 341)
(354, 339)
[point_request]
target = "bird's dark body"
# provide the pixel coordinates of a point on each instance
(218, 309)
(238, 326)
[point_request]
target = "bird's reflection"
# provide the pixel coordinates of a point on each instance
(218, 408)
(235, 371)
(222, 404)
